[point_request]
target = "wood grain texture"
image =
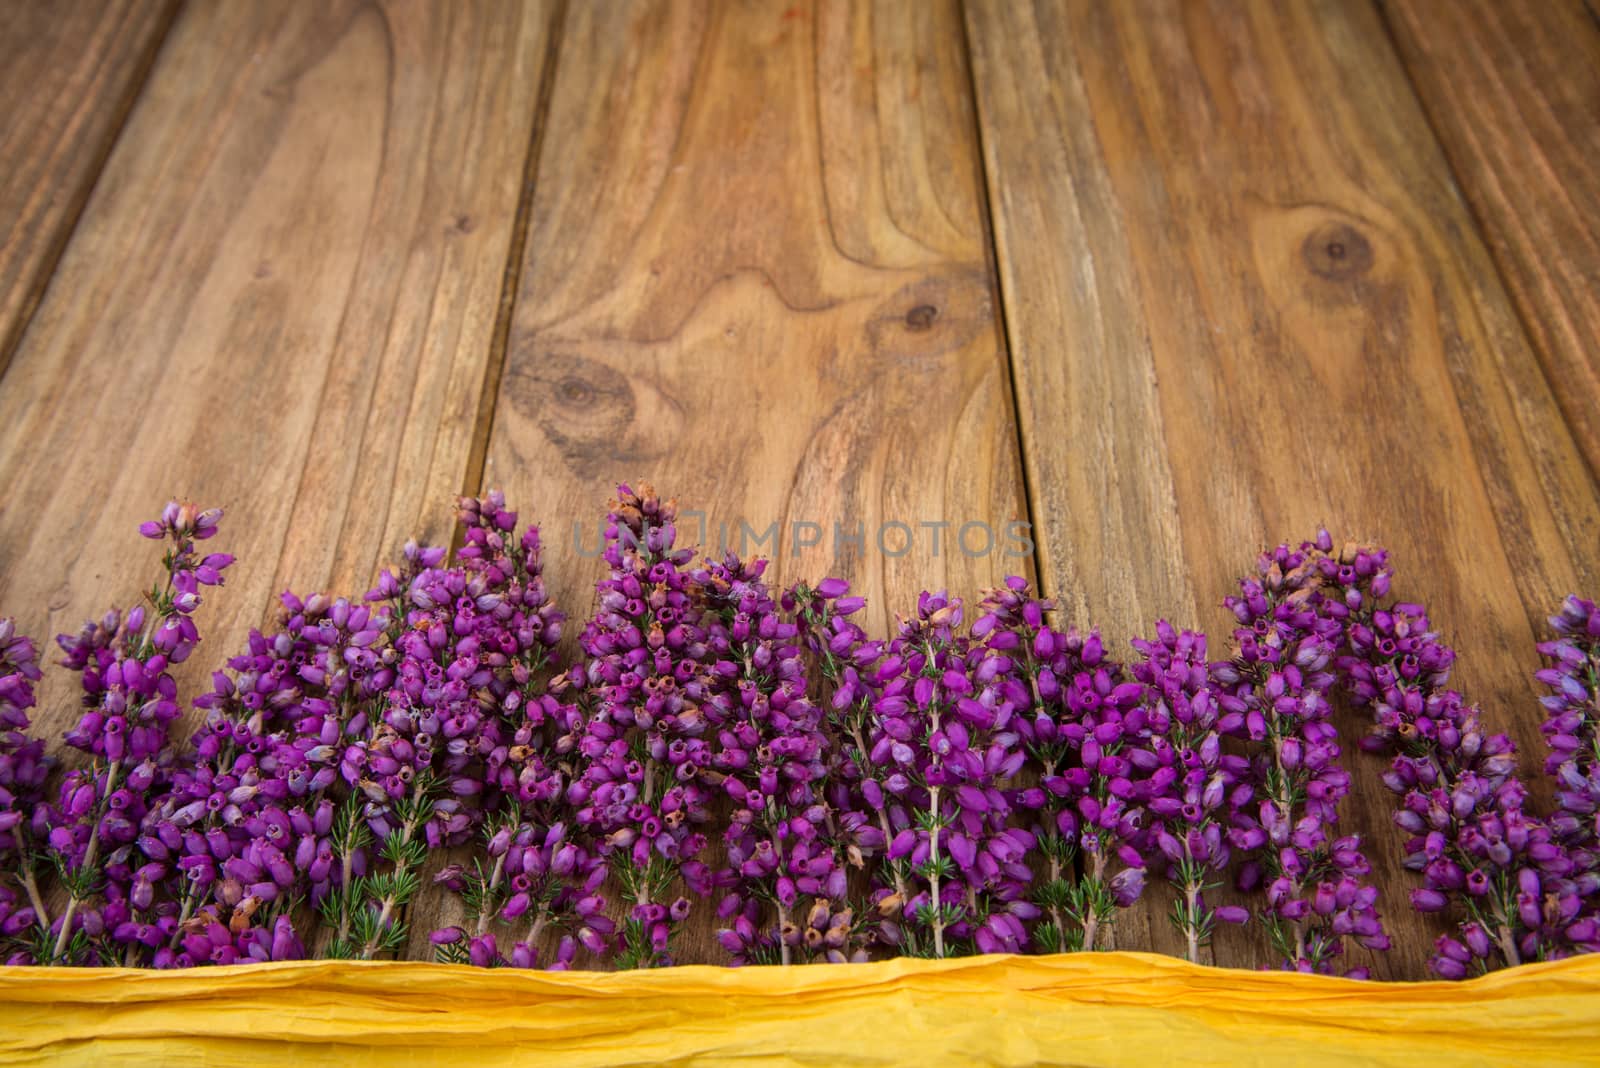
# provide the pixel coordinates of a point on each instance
(1513, 91)
(68, 73)
(1237, 269)
(756, 277)
(280, 299)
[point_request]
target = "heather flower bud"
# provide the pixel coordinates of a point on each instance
(1126, 886)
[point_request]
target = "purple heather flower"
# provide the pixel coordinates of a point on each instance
(1461, 802)
(861, 796)
(1078, 717)
(944, 738)
(254, 818)
(914, 735)
(1197, 797)
(1572, 731)
(130, 702)
(1273, 694)
(207, 939)
(17, 919)
(772, 762)
(654, 692)
(431, 761)
(483, 951)
(23, 770)
(538, 870)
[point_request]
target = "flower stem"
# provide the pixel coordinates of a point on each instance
(783, 945)
(1508, 945)
(494, 883)
(933, 867)
(183, 917)
(933, 838)
(1091, 920)
(783, 911)
(345, 871)
(1191, 930)
(1055, 910)
(883, 816)
(90, 855)
(385, 914)
(29, 883)
(392, 899)
(540, 919)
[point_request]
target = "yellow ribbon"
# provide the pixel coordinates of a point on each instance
(1102, 1009)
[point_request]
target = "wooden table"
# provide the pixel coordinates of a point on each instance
(1168, 281)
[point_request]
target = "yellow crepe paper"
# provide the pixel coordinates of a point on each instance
(1111, 1009)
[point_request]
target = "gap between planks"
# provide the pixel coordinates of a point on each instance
(1482, 223)
(44, 271)
(488, 398)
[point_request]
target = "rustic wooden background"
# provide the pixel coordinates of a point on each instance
(1169, 280)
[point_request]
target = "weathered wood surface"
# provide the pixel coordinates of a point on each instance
(1513, 91)
(68, 74)
(756, 276)
(1237, 270)
(280, 299)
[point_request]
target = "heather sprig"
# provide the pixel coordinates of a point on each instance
(413, 768)
(985, 751)
(537, 870)
(1079, 725)
(379, 767)
(771, 762)
(917, 731)
(1274, 694)
(250, 820)
(652, 689)
(862, 795)
(1572, 731)
(23, 771)
(1502, 869)
(1194, 792)
(130, 702)
(1023, 656)
(1100, 809)
(472, 643)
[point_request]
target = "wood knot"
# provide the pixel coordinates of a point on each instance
(585, 407)
(1338, 252)
(931, 316)
(574, 391)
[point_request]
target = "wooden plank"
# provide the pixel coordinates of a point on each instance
(281, 299)
(68, 74)
(756, 277)
(1236, 268)
(1513, 91)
